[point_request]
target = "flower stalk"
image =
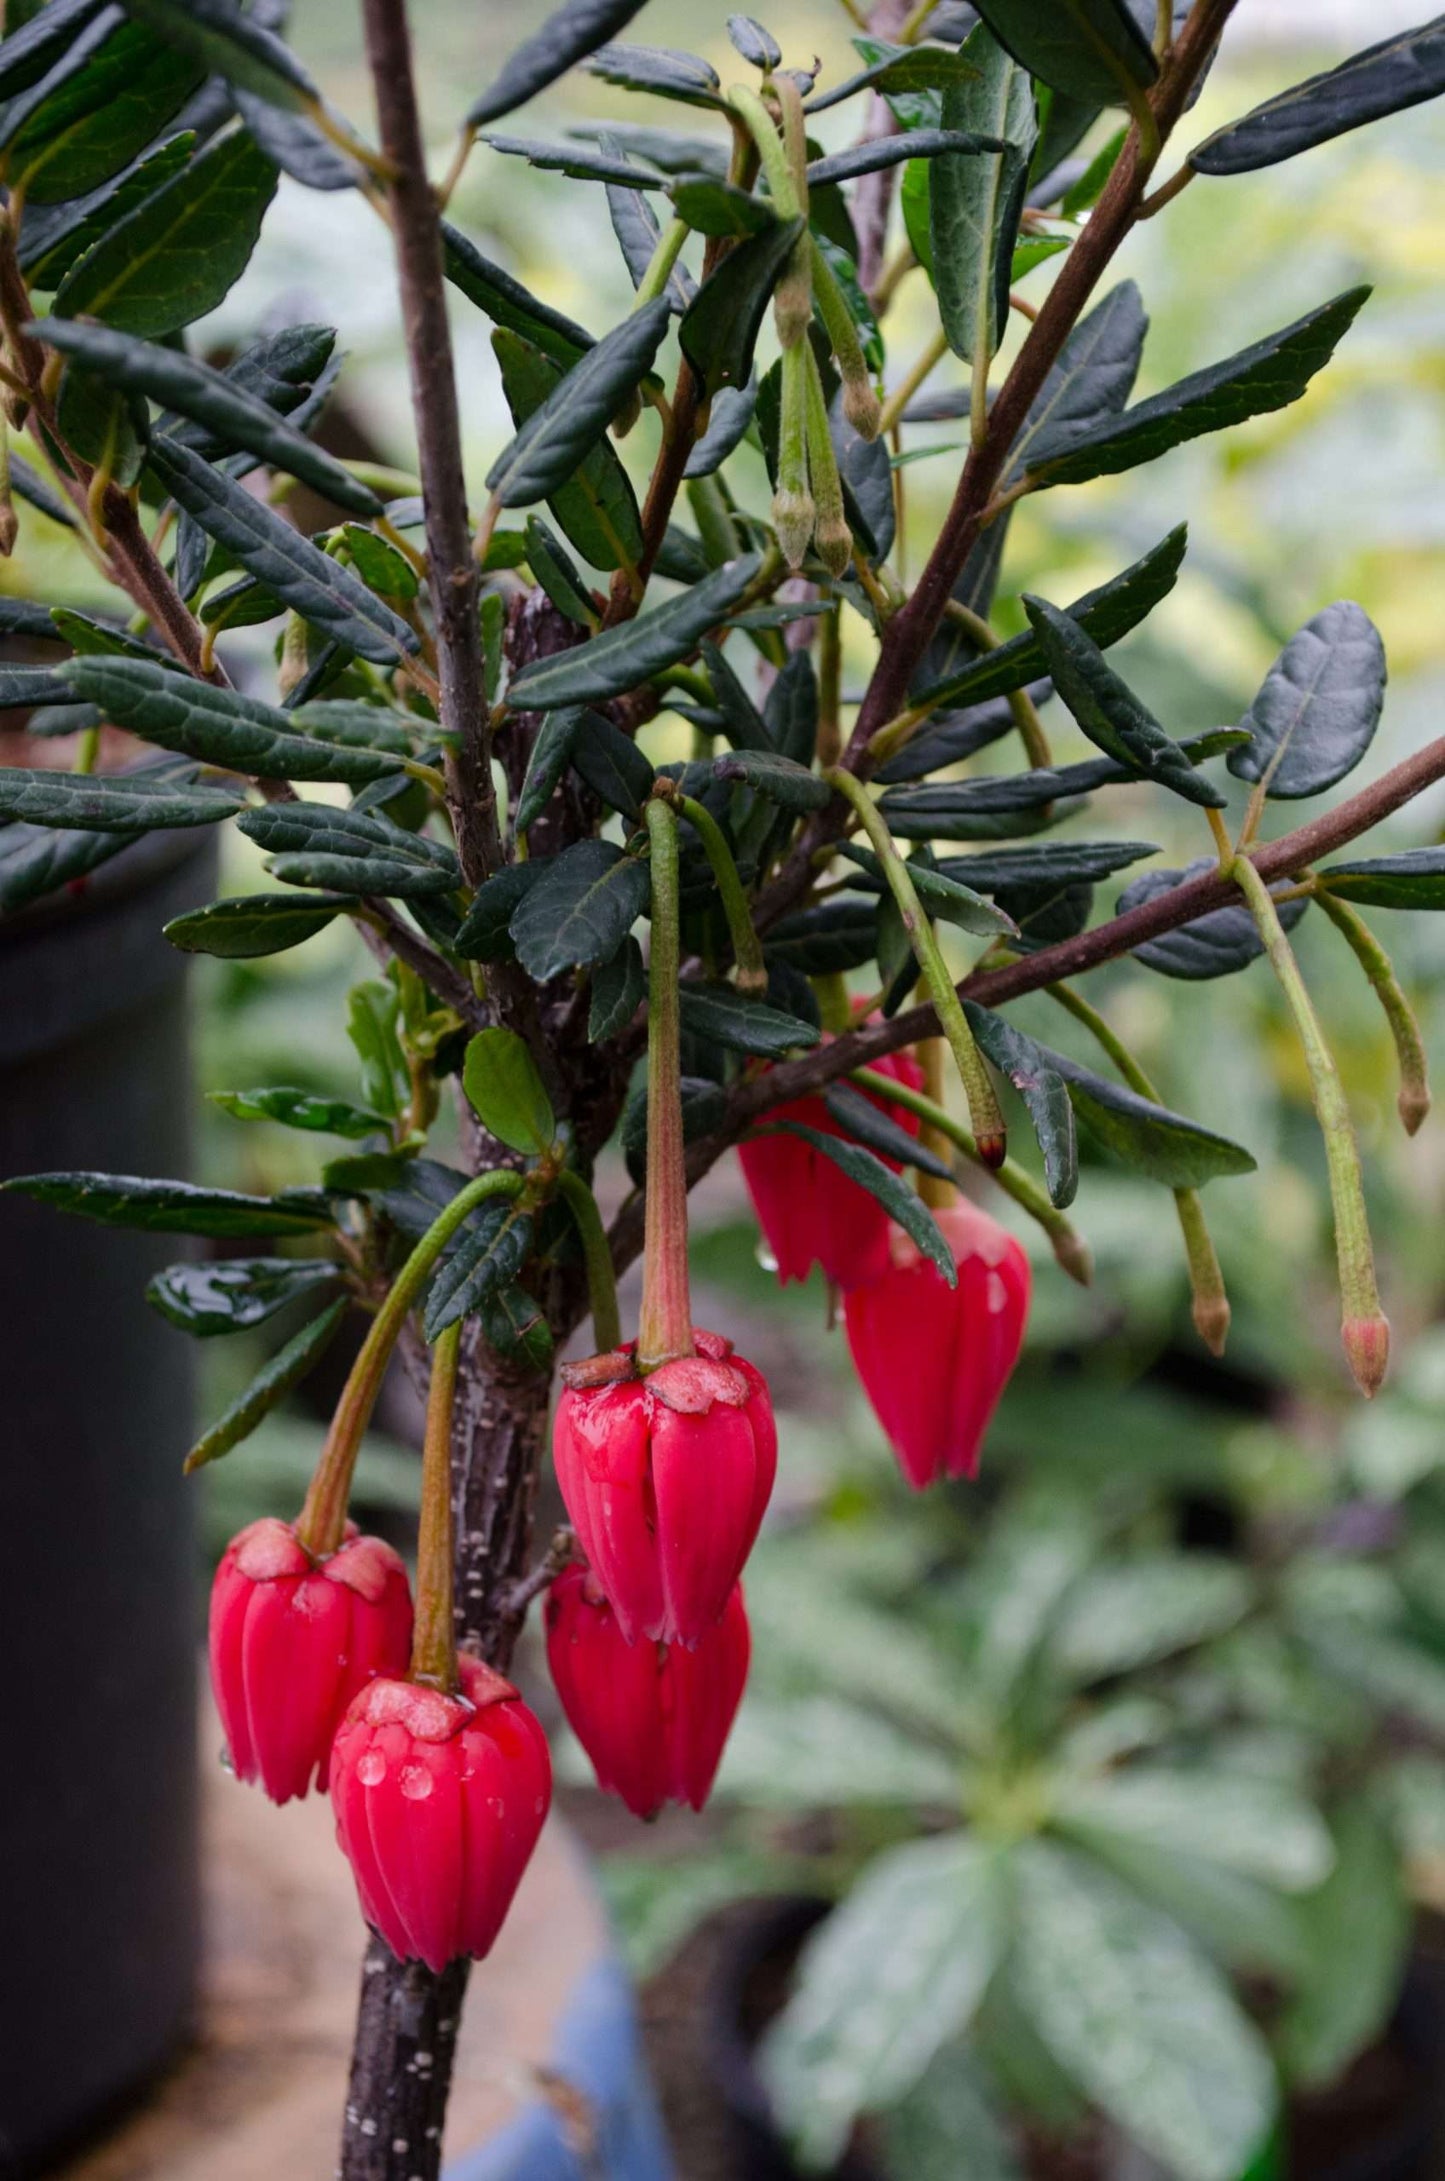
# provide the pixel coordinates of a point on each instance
(1413, 1099)
(664, 1327)
(434, 1643)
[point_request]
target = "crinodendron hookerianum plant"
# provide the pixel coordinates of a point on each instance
(478, 665)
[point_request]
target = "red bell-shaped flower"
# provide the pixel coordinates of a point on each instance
(935, 1359)
(809, 1211)
(653, 1717)
(439, 1800)
(293, 1639)
(665, 1479)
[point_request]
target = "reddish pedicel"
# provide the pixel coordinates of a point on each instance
(809, 1211)
(439, 1800)
(665, 1479)
(292, 1641)
(653, 1717)
(935, 1359)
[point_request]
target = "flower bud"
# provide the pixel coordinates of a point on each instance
(793, 514)
(292, 1641)
(1367, 1349)
(665, 1480)
(439, 1801)
(652, 1717)
(934, 1359)
(834, 541)
(861, 406)
(809, 1211)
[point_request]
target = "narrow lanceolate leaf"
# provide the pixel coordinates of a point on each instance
(725, 1017)
(900, 72)
(728, 421)
(891, 151)
(1215, 945)
(893, 1193)
(556, 437)
(551, 755)
(1105, 614)
(595, 506)
(661, 70)
(218, 726)
(291, 1108)
(38, 43)
(180, 382)
(1318, 708)
(34, 859)
(612, 766)
(270, 1386)
(228, 1294)
(579, 161)
(1401, 71)
(304, 578)
(1143, 2022)
(1148, 1139)
(251, 924)
(54, 237)
(1415, 879)
(1269, 375)
(785, 782)
(564, 38)
(33, 685)
(1056, 863)
(619, 988)
(947, 899)
(181, 251)
(580, 911)
(175, 1207)
(714, 207)
(1041, 1086)
(507, 303)
(232, 45)
(1092, 50)
(89, 128)
(719, 330)
(1091, 381)
(626, 657)
(974, 199)
(988, 808)
(351, 851)
(869, 1125)
(506, 1093)
(1107, 709)
(489, 1252)
(887, 1979)
(111, 802)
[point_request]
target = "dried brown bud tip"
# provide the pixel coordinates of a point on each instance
(993, 1150)
(1413, 1104)
(1211, 1314)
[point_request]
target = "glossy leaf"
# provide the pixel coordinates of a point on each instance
(974, 199)
(1211, 946)
(91, 126)
(1317, 710)
(1030, 1068)
(373, 1025)
(299, 1109)
(218, 726)
(507, 303)
(612, 765)
(580, 911)
(873, 1127)
(742, 722)
(619, 987)
(578, 161)
(54, 237)
(719, 330)
(285, 1370)
(1414, 879)
(37, 43)
(755, 44)
(996, 805)
(1087, 49)
(515, 1325)
(833, 936)
(505, 1092)
(564, 38)
(595, 506)
(661, 70)
(625, 657)
(638, 233)
(1148, 1139)
(487, 1254)
(175, 1207)
(785, 782)
(550, 756)
(942, 897)
(229, 1294)
(111, 802)
(557, 436)
(33, 685)
(1091, 380)
(484, 935)
(307, 580)
(1108, 711)
(1058, 863)
(181, 251)
(350, 851)
(1269, 375)
(233, 45)
(1384, 79)
(892, 1192)
(34, 859)
(724, 1016)
(714, 207)
(894, 71)
(253, 924)
(890, 151)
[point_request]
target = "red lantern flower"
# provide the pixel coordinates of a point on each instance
(665, 1479)
(653, 1717)
(293, 1639)
(439, 1801)
(809, 1211)
(934, 1359)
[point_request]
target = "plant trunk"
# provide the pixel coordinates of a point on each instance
(407, 2017)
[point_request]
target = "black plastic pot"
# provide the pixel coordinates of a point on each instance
(98, 1817)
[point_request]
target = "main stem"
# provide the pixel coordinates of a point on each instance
(664, 1326)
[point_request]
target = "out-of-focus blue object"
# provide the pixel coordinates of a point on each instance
(598, 2056)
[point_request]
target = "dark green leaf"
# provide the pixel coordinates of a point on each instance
(860, 1116)
(742, 722)
(231, 44)
(33, 685)
(790, 785)
(103, 427)
(629, 655)
(55, 237)
(285, 1369)
(1211, 946)
(556, 436)
(1414, 879)
(898, 70)
(892, 1192)
(34, 47)
(577, 161)
(298, 145)
(313, 585)
(790, 709)
(175, 1207)
(315, 844)
(555, 571)
(1149, 1139)
(514, 1324)
(27, 486)
(507, 303)
(1107, 709)
(505, 1092)
(235, 416)
(995, 807)
(638, 233)
(719, 329)
(1090, 50)
(228, 1294)
(299, 1109)
(595, 505)
(1105, 614)
(252, 924)
(724, 1017)
(378, 563)
(97, 639)
(181, 251)
(580, 911)
(564, 38)
(1059, 863)
(1091, 381)
(833, 936)
(34, 859)
(891, 151)
(218, 726)
(111, 802)
(1040, 1084)
(1318, 708)
(484, 935)
(91, 126)
(612, 765)
(754, 42)
(661, 70)
(1384, 79)
(1269, 375)
(619, 987)
(488, 1253)
(974, 199)
(550, 756)
(714, 207)
(942, 897)
(26, 617)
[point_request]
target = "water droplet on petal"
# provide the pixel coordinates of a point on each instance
(371, 1768)
(416, 1782)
